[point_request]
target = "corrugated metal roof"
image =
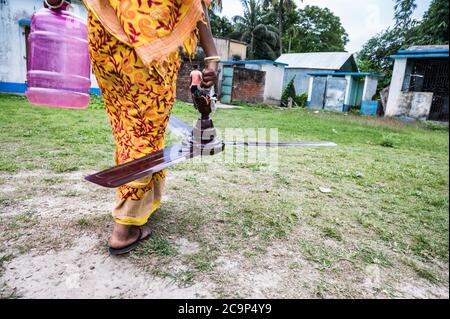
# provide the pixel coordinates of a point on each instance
(316, 60)
(428, 47)
(421, 52)
(419, 56)
(251, 62)
(356, 74)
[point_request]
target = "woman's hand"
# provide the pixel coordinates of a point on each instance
(209, 75)
(207, 43)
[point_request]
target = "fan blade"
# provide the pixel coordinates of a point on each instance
(282, 144)
(144, 166)
(181, 128)
(178, 127)
(157, 161)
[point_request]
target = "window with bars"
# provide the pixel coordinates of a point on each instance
(430, 75)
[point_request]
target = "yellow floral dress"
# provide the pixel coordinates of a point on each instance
(134, 47)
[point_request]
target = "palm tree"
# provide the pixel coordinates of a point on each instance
(293, 32)
(403, 12)
(216, 5)
(220, 26)
(262, 38)
(282, 5)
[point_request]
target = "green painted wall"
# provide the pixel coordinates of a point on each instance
(356, 91)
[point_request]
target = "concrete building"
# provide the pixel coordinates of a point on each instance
(252, 81)
(15, 18)
(342, 91)
(419, 84)
(300, 64)
(228, 49)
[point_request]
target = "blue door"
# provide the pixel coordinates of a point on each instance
(227, 84)
(335, 94)
(318, 92)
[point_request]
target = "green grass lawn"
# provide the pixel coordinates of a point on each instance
(389, 181)
(404, 167)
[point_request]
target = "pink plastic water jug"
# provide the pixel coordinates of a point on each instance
(58, 66)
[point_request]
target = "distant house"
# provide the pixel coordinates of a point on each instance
(228, 49)
(252, 81)
(419, 84)
(342, 91)
(300, 64)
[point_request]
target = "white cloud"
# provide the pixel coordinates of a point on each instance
(231, 8)
(373, 22)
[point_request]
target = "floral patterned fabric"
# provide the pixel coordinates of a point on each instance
(147, 20)
(154, 28)
(138, 102)
(134, 47)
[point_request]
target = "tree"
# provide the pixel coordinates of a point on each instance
(280, 6)
(373, 55)
(434, 27)
(319, 30)
(216, 5)
(262, 39)
(403, 10)
(289, 21)
(220, 26)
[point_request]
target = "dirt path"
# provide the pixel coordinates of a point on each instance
(81, 272)
(73, 263)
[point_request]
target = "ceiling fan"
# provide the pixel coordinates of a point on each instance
(200, 140)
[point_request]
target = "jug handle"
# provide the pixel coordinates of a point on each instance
(51, 6)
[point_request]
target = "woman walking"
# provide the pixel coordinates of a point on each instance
(134, 47)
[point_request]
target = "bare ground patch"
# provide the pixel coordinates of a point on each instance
(223, 231)
(83, 272)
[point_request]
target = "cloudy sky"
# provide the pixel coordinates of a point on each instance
(361, 18)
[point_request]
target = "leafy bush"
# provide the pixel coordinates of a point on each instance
(289, 91)
(300, 100)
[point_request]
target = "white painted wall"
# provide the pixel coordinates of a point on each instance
(274, 82)
(301, 78)
(12, 37)
(395, 91)
(370, 88)
(421, 105)
(310, 89)
(348, 78)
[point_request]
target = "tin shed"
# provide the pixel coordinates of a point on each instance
(300, 64)
(263, 81)
(342, 91)
(419, 84)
